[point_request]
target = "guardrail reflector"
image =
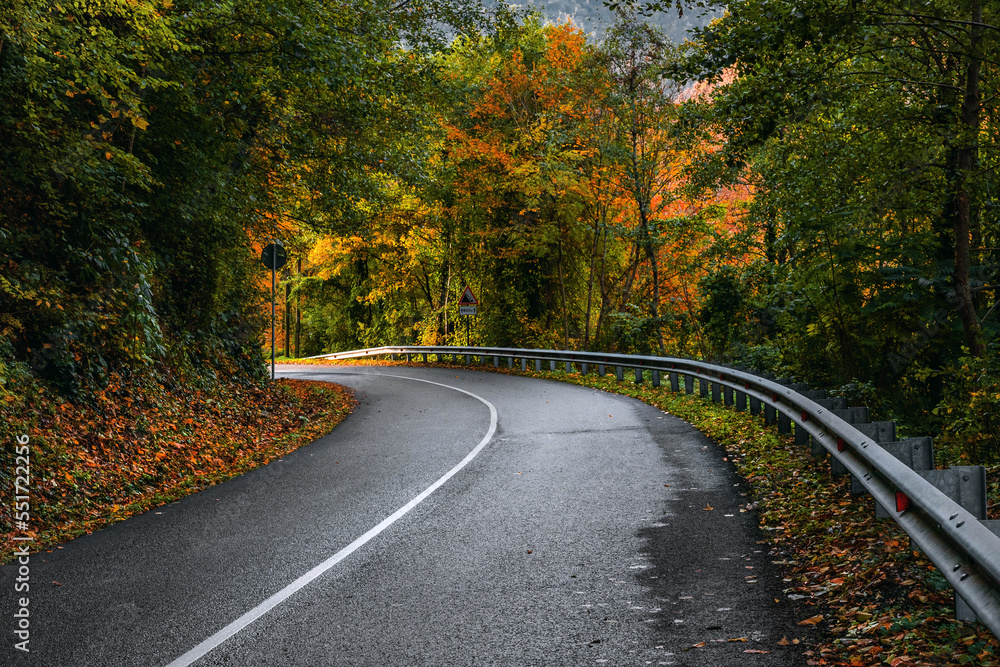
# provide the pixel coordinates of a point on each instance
(902, 501)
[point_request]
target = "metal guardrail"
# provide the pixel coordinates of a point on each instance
(965, 551)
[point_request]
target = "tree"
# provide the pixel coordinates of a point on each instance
(872, 75)
(643, 103)
(149, 148)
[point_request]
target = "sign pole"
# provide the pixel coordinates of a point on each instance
(467, 307)
(273, 257)
(274, 271)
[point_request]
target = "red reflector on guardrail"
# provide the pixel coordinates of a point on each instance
(841, 445)
(902, 501)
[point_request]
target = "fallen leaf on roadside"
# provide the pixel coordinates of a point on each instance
(708, 508)
(812, 621)
(755, 650)
(784, 642)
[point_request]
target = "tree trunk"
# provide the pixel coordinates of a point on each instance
(562, 290)
(590, 285)
(655, 302)
(967, 159)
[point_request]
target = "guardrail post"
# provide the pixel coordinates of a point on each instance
(832, 403)
(803, 439)
(963, 612)
(770, 414)
(583, 368)
(966, 485)
(524, 364)
(425, 357)
(675, 381)
(716, 392)
(754, 406)
(784, 423)
(879, 432)
(601, 370)
(688, 384)
(569, 367)
(552, 365)
(914, 453)
(857, 415)
(703, 387)
(727, 395)
(656, 377)
(538, 365)
(741, 401)
(638, 375)
(619, 373)
(496, 361)
(853, 415)
(468, 360)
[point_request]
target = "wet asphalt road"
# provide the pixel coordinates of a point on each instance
(589, 529)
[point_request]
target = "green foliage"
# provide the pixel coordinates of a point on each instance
(866, 132)
(150, 148)
(968, 414)
(722, 311)
(635, 333)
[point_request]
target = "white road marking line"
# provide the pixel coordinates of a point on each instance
(270, 603)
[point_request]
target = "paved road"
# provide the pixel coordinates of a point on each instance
(564, 526)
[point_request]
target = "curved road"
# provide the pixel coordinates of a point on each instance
(455, 518)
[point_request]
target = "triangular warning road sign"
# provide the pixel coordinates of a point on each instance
(468, 298)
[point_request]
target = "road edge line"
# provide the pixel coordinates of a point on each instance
(203, 648)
